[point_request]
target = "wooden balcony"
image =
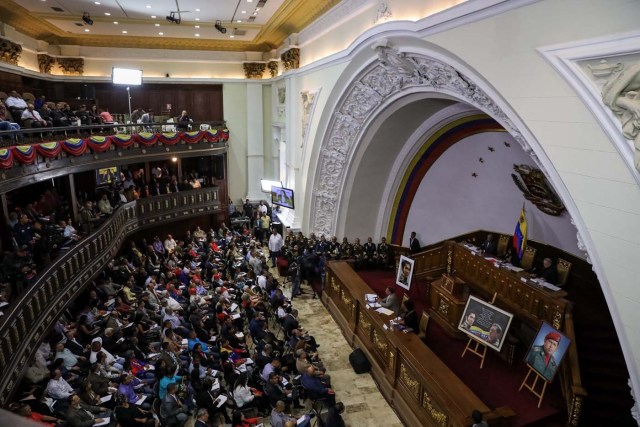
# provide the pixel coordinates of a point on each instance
(29, 317)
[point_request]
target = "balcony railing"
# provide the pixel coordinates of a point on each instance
(30, 316)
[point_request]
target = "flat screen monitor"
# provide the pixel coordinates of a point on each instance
(107, 176)
(126, 76)
(281, 196)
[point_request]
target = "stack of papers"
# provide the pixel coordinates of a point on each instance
(105, 421)
(239, 335)
(386, 311)
(3, 303)
(234, 307)
(139, 401)
(220, 400)
(106, 398)
(373, 305)
(213, 338)
(235, 316)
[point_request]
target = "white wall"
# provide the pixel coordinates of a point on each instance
(235, 113)
(604, 192)
(450, 201)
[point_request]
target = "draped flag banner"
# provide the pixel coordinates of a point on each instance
(27, 154)
(6, 158)
(520, 234)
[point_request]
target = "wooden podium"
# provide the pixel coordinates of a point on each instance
(446, 303)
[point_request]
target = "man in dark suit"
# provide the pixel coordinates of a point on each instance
(291, 322)
(548, 272)
(414, 243)
(172, 409)
(333, 417)
(202, 419)
(316, 387)
(73, 345)
(80, 414)
(490, 246)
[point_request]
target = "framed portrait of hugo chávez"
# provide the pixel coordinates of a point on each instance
(485, 323)
(405, 272)
(547, 351)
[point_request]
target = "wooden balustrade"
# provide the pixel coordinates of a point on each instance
(570, 378)
(30, 316)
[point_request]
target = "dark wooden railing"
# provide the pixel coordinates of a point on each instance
(570, 378)
(30, 316)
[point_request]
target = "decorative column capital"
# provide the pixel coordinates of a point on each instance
(71, 66)
(254, 70)
(273, 67)
(291, 59)
(45, 62)
(9, 51)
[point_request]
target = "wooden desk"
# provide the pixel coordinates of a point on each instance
(423, 390)
(529, 303)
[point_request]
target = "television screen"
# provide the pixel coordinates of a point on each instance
(126, 76)
(107, 176)
(282, 197)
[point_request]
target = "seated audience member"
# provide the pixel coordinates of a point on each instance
(490, 246)
(390, 301)
(15, 104)
(32, 119)
(172, 409)
(25, 410)
(83, 415)
(410, 317)
(478, 420)
(5, 123)
(334, 416)
(105, 206)
(57, 387)
(137, 115)
(46, 114)
(239, 420)
(129, 415)
(280, 419)
(548, 271)
(184, 122)
(317, 387)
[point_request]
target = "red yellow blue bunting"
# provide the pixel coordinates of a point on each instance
(26, 154)
(6, 158)
(48, 149)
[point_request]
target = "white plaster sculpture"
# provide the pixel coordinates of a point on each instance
(621, 94)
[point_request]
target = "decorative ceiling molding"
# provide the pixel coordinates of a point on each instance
(292, 17)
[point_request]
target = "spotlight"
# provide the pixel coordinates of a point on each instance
(219, 27)
(87, 18)
(172, 18)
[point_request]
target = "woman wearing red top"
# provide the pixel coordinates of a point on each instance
(25, 411)
(239, 420)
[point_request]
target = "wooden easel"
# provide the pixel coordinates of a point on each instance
(479, 349)
(532, 387)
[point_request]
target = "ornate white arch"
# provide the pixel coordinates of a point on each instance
(391, 73)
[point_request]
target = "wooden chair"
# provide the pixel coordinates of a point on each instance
(563, 267)
(422, 326)
(527, 258)
(503, 244)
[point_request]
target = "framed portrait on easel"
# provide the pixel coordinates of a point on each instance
(485, 323)
(405, 272)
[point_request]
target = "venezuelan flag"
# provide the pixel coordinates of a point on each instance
(520, 234)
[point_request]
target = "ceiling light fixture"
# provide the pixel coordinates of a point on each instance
(107, 13)
(115, 22)
(197, 26)
(239, 20)
(161, 33)
(172, 18)
(153, 16)
(219, 27)
(197, 19)
(197, 10)
(124, 32)
(86, 30)
(157, 25)
(197, 35)
(87, 18)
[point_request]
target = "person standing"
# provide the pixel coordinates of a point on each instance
(414, 243)
(275, 245)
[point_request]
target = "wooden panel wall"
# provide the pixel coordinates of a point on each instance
(202, 101)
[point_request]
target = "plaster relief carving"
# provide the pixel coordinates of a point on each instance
(308, 100)
(383, 13)
(393, 72)
(621, 93)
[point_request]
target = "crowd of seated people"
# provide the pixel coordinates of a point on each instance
(174, 325)
(17, 113)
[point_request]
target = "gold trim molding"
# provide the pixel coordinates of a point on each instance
(291, 59)
(45, 63)
(438, 416)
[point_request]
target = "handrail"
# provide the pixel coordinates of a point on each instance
(30, 316)
(571, 380)
(27, 136)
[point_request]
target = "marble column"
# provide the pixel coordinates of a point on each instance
(255, 142)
